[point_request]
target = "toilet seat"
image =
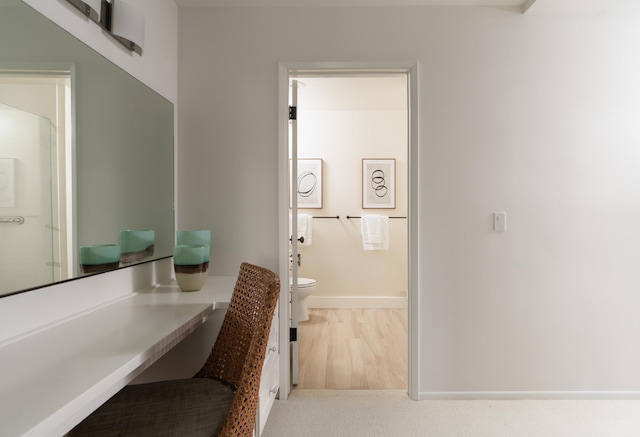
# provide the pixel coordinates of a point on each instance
(306, 287)
(305, 282)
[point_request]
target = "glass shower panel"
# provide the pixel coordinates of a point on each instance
(27, 232)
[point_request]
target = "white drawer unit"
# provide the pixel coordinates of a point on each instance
(270, 379)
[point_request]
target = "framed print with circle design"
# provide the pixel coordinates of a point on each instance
(378, 183)
(308, 183)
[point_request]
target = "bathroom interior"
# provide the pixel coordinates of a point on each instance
(352, 330)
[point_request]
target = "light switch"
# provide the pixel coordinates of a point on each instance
(499, 221)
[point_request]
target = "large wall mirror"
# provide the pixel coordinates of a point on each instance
(86, 151)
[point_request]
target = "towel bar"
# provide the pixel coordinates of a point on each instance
(15, 220)
(357, 216)
(329, 217)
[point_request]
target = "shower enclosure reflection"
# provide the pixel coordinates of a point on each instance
(34, 194)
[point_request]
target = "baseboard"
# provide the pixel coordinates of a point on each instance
(356, 302)
(529, 395)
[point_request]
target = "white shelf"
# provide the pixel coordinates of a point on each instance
(54, 378)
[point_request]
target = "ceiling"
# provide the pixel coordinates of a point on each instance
(530, 6)
(264, 3)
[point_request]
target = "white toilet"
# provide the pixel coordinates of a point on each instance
(306, 287)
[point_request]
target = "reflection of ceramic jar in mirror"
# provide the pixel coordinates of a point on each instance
(136, 245)
(98, 258)
(191, 262)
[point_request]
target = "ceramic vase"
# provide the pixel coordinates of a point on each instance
(200, 236)
(191, 262)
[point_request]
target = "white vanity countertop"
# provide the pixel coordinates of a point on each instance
(52, 379)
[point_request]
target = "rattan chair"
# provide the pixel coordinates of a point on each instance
(222, 398)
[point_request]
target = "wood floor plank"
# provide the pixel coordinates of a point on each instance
(353, 349)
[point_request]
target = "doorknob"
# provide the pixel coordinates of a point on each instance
(301, 239)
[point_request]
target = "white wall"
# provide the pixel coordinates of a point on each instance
(533, 115)
(157, 67)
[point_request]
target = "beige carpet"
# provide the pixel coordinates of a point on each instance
(332, 413)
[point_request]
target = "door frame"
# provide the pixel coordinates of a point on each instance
(285, 69)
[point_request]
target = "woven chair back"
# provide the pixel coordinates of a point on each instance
(238, 354)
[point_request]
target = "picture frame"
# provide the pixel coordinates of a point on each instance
(7, 183)
(378, 183)
(308, 182)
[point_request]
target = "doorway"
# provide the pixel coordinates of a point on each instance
(35, 172)
(345, 121)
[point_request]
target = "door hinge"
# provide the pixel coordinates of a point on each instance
(293, 112)
(293, 334)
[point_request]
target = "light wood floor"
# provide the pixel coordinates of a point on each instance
(353, 349)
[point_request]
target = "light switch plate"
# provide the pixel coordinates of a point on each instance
(499, 221)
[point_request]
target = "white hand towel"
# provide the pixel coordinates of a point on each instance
(375, 232)
(305, 228)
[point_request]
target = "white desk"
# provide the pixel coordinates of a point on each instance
(51, 380)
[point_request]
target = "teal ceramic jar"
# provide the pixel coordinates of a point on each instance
(191, 262)
(136, 245)
(201, 236)
(98, 258)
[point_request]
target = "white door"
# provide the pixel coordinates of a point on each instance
(293, 238)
